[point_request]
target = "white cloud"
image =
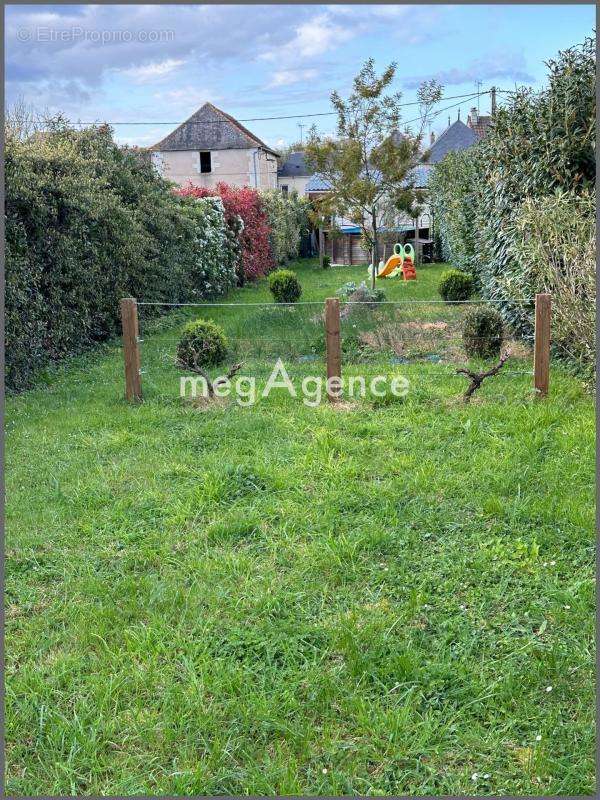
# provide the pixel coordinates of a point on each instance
(286, 77)
(311, 39)
(505, 64)
(146, 73)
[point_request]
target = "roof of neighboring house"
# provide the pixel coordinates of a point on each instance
(295, 166)
(317, 183)
(457, 137)
(397, 136)
(209, 128)
(481, 126)
(419, 174)
(478, 123)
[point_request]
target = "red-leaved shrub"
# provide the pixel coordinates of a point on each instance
(246, 203)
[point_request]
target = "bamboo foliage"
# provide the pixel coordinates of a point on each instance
(517, 210)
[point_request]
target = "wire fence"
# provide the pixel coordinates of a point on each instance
(422, 339)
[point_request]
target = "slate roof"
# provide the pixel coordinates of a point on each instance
(457, 137)
(294, 167)
(317, 184)
(420, 175)
(209, 128)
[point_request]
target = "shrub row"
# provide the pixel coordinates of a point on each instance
(288, 221)
(517, 210)
(88, 222)
(248, 224)
(266, 226)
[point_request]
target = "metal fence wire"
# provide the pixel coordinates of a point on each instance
(424, 337)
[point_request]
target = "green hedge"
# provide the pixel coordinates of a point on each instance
(288, 220)
(540, 146)
(88, 222)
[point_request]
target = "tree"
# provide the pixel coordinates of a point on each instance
(368, 166)
(23, 120)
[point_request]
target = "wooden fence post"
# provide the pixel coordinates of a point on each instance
(131, 349)
(541, 358)
(321, 246)
(332, 342)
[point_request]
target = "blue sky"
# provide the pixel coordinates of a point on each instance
(160, 63)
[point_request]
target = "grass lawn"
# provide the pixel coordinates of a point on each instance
(390, 597)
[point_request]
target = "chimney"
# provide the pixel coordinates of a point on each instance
(431, 137)
(473, 117)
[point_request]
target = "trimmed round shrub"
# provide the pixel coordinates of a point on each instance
(202, 344)
(483, 332)
(455, 285)
(285, 286)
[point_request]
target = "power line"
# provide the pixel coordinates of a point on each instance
(252, 119)
(446, 108)
(416, 119)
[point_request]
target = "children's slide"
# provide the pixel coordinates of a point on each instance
(393, 263)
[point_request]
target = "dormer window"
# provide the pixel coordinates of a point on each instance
(205, 162)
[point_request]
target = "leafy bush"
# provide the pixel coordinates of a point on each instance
(88, 222)
(210, 258)
(326, 262)
(351, 289)
(202, 344)
(537, 158)
(483, 332)
(254, 233)
(454, 191)
(556, 237)
(285, 286)
(288, 220)
(455, 285)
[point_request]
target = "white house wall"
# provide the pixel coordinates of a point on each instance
(294, 183)
(252, 167)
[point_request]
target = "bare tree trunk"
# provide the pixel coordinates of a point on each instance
(417, 237)
(477, 378)
(375, 248)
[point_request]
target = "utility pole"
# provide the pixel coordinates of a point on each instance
(493, 101)
(301, 126)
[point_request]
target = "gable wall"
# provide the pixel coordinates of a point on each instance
(236, 167)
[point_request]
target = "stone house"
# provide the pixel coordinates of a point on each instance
(212, 147)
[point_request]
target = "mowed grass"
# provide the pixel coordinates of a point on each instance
(382, 598)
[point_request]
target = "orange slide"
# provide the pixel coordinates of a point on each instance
(393, 263)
